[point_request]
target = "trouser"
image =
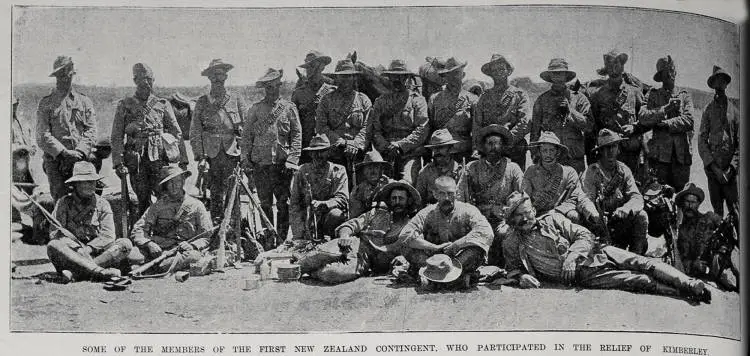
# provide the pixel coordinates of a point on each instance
(630, 232)
(500, 229)
(272, 181)
(325, 263)
(65, 254)
(627, 271)
(673, 173)
(471, 258)
(144, 178)
(220, 168)
(721, 193)
(58, 170)
(181, 260)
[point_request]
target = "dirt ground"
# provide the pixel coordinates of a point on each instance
(217, 303)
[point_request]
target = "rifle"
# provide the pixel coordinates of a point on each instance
(350, 166)
(256, 204)
(224, 226)
(200, 182)
(138, 272)
(125, 206)
(54, 221)
(310, 217)
(674, 252)
(603, 215)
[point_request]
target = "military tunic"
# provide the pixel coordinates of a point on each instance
(454, 111)
(65, 121)
(306, 98)
(487, 186)
(344, 118)
(510, 107)
(145, 137)
(694, 241)
(328, 184)
(425, 183)
(363, 195)
(464, 226)
(548, 187)
(570, 128)
(719, 144)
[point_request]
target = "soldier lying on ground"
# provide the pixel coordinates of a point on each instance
(552, 248)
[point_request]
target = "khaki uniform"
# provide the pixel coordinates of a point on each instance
(64, 121)
(455, 112)
(509, 107)
(719, 143)
(363, 195)
(670, 150)
(329, 184)
(145, 137)
(425, 184)
(306, 98)
(344, 117)
(570, 128)
(546, 189)
(215, 133)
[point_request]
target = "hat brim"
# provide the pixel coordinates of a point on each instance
(546, 75)
(227, 67)
(488, 68)
(384, 164)
(319, 148)
(713, 77)
(563, 148)
(261, 82)
(398, 73)
(385, 192)
(500, 130)
(617, 141)
(345, 72)
(451, 69)
(84, 178)
(448, 143)
(326, 61)
(58, 69)
(437, 276)
(173, 175)
(694, 191)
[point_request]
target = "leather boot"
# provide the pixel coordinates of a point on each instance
(690, 287)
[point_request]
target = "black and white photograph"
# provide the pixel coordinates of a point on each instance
(374, 169)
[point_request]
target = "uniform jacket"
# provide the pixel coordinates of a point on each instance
(363, 195)
(400, 122)
(509, 107)
(329, 184)
(547, 187)
(673, 140)
(570, 128)
(216, 124)
(464, 226)
(91, 222)
(272, 133)
(454, 111)
(66, 121)
(694, 241)
(609, 114)
(375, 219)
(344, 117)
(488, 186)
(617, 188)
(719, 140)
(425, 182)
(171, 221)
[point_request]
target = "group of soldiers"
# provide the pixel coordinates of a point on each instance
(439, 187)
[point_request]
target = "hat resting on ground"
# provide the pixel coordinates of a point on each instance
(452, 64)
(216, 64)
(717, 72)
(169, 172)
(495, 129)
(441, 268)
(663, 65)
(690, 188)
(497, 59)
(318, 142)
(270, 76)
(384, 193)
(557, 65)
(441, 137)
(606, 137)
(315, 56)
(551, 138)
(62, 63)
(83, 171)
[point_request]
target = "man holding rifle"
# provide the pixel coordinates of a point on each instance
(610, 184)
(170, 222)
(83, 242)
(271, 144)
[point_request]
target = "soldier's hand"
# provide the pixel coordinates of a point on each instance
(628, 129)
(290, 168)
(72, 154)
(185, 246)
(350, 151)
(345, 244)
(569, 269)
(319, 206)
(528, 281)
(451, 249)
(183, 165)
(121, 171)
(153, 249)
(720, 175)
(729, 173)
(373, 234)
(86, 250)
(620, 213)
(700, 267)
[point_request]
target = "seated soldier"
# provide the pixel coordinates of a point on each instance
(449, 227)
(553, 186)
(375, 172)
(550, 247)
(441, 144)
(704, 249)
(175, 218)
(92, 252)
(368, 241)
(610, 184)
(324, 188)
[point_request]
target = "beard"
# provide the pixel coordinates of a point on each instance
(446, 206)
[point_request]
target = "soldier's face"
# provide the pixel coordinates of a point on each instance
(85, 189)
(272, 88)
(399, 200)
(446, 197)
(669, 76)
(173, 187)
(690, 204)
(608, 154)
(319, 157)
(549, 153)
(398, 82)
(217, 76)
(442, 155)
(144, 82)
(20, 164)
(616, 68)
(500, 72)
(65, 79)
(524, 217)
(558, 78)
(345, 82)
(720, 83)
(493, 146)
(453, 78)
(372, 173)
(314, 69)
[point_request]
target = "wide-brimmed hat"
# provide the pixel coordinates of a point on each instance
(441, 137)
(166, 173)
(429, 70)
(514, 200)
(315, 56)
(62, 63)
(606, 137)
(216, 64)
(83, 171)
(609, 57)
(551, 138)
(441, 268)
(495, 129)
(557, 65)
(345, 67)
(373, 158)
(271, 75)
(690, 188)
(398, 67)
(718, 71)
(451, 64)
(318, 142)
(662, 65)
(385, 192)
(490, 67)
(104, 141)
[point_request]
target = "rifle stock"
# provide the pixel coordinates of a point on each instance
(224, 226)
(125, 206)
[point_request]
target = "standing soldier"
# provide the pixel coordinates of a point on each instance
(65, 128)
(615, 106)
(145, 137)
(563, 112)
(719, 144)
(319, 189)
(489, 181)
(453, 108)
(214, 131)
(344, 116)
(306, 96)
(505, 105)
(669, 112)
(399, 124)
(441, 143)
(271, 148)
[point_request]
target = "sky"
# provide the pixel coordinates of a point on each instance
(178, 43)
